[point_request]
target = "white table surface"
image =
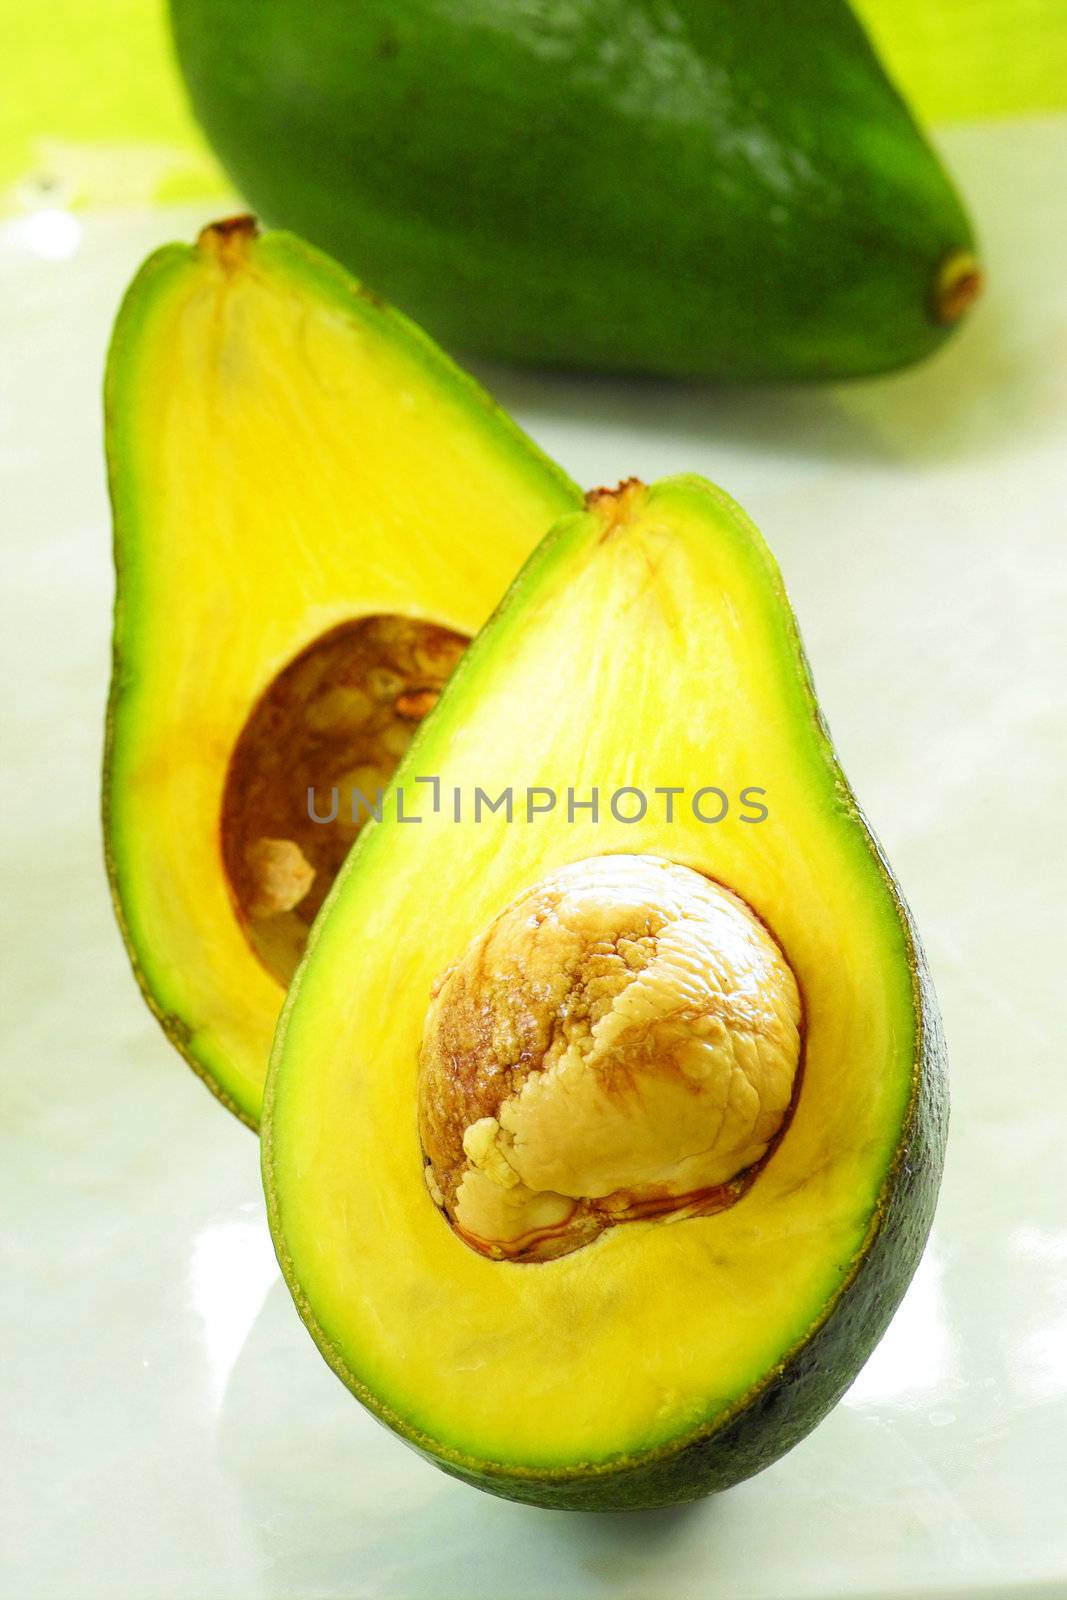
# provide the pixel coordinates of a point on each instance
(169, 1431)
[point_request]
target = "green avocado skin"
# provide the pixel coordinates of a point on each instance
(796, 1397)
(696, 188)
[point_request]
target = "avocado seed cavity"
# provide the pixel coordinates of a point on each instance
(622, 1042)
(335, 722)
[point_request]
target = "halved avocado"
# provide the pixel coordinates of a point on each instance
(314, 509)
(662, 1338)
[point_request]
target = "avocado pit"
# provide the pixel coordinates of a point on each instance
(621, 1043)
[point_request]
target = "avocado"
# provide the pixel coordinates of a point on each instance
(604, 1128)
(313, 511)
(706, 189)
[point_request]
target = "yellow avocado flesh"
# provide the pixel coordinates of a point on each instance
(647, 643)
(286, 455)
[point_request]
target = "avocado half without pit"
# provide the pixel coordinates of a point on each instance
(314, 509)
(602, 1137)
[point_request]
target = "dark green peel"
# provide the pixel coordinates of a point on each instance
(705, 189)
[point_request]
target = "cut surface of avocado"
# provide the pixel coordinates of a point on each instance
(314, 509)
(712, 978)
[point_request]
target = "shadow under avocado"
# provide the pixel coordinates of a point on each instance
(965, 402)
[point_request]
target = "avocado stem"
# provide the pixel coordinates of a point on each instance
(228, 240)
(615, 505)
(958, 284)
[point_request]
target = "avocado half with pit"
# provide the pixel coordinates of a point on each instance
(606, 1113)
(313, 510)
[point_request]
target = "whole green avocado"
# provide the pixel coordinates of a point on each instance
(695, 188)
